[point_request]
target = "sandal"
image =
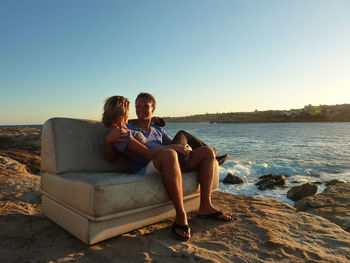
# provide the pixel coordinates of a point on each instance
(184, 228)
(215, 216)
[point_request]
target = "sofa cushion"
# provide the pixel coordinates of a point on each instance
(72, 145)
(103, 194)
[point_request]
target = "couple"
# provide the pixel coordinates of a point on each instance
(150, 150)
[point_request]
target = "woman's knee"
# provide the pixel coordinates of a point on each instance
(167, 155)
(165, 159)
(207, 151)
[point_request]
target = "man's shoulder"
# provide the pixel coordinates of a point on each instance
(156, 127)
(131, 125)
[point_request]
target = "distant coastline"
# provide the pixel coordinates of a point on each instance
(36, 126)
(321, 113)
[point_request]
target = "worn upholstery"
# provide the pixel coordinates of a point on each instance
(100, 195)
(95, 200)
(72, 145)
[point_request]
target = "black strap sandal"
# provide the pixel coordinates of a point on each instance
(216, 216)
(184, 228)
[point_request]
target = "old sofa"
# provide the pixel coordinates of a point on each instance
(93, 199)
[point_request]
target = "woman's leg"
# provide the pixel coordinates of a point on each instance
(167, 163)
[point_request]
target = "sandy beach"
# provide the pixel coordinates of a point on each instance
(263, 230)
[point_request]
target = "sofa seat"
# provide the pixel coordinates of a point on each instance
(101, 195)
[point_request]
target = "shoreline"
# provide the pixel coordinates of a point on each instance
(263, 229)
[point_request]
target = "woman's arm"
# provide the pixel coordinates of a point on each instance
(110, 153)
(142, 150)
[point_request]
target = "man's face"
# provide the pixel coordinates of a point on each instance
(144, 109)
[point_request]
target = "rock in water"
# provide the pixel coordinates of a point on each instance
(299, 192)
(232, 179)
(335, 181)
(270, 181)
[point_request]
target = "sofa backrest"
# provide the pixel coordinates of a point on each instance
(73, 145)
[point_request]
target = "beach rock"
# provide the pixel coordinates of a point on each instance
(333, 204)
(301, 191)
(270, 181)
(19, 190)
(22, 145)
(15, 138)
(9, 164)
(232, 179)
(335, 181)
(315, 175)
(262, 230)
(31, 160)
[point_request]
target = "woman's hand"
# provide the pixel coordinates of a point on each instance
(116, 135)
(184, 149)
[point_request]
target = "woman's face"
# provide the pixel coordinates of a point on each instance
(125, 118)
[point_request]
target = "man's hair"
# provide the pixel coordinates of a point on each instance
(115, 106)
(146, 96)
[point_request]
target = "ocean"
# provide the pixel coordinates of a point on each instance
(304, 152)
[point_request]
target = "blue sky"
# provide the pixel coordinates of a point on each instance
(64, 58)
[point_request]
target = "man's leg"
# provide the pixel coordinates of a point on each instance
(167, 163)
(202, 160)
(183, 137)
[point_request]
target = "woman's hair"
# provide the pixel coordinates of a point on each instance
(115, 106)
(146, 96)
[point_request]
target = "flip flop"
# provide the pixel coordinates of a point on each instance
(215, 216)
(222, 159)
(184, 228)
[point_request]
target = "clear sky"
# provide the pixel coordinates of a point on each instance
(64, 58)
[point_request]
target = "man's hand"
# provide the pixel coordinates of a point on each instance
(158, 121)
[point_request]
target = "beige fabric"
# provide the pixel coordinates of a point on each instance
(95, 200)
(101, 194)
(72, 145)
(90, 232)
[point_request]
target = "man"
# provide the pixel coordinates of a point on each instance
(201, 159)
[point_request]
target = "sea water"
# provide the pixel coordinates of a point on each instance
(304, 152)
